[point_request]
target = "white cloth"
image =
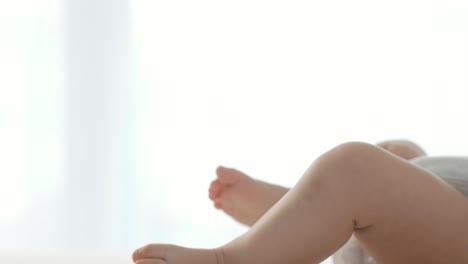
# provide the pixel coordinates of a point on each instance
(62, 257)
(454, 170)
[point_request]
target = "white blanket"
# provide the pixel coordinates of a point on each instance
(65, 257)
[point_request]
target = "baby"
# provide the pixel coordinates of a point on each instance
(246, 199)
(389, 199)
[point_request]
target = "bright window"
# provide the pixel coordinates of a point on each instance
(30, 120)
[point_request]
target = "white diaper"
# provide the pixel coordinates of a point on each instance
(453, 170)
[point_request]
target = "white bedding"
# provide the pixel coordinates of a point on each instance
(71, 258)
(65, 257)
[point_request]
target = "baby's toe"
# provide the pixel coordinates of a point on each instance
(215, 189)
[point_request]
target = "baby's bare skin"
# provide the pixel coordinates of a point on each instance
(340, 194)
(242, 197)
(246, 199)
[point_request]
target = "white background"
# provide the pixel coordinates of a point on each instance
(263, 86)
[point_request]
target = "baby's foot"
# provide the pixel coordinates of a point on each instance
(243, 198)
(171, 254)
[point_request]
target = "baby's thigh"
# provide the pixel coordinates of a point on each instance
(420, 219)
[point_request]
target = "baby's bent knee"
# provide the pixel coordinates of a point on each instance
(349, 155)
(346, 165)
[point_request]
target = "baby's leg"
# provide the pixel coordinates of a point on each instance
(247, 199)
(242, 197)
(398, 211)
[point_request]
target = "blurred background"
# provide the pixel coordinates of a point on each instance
(115, 113)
